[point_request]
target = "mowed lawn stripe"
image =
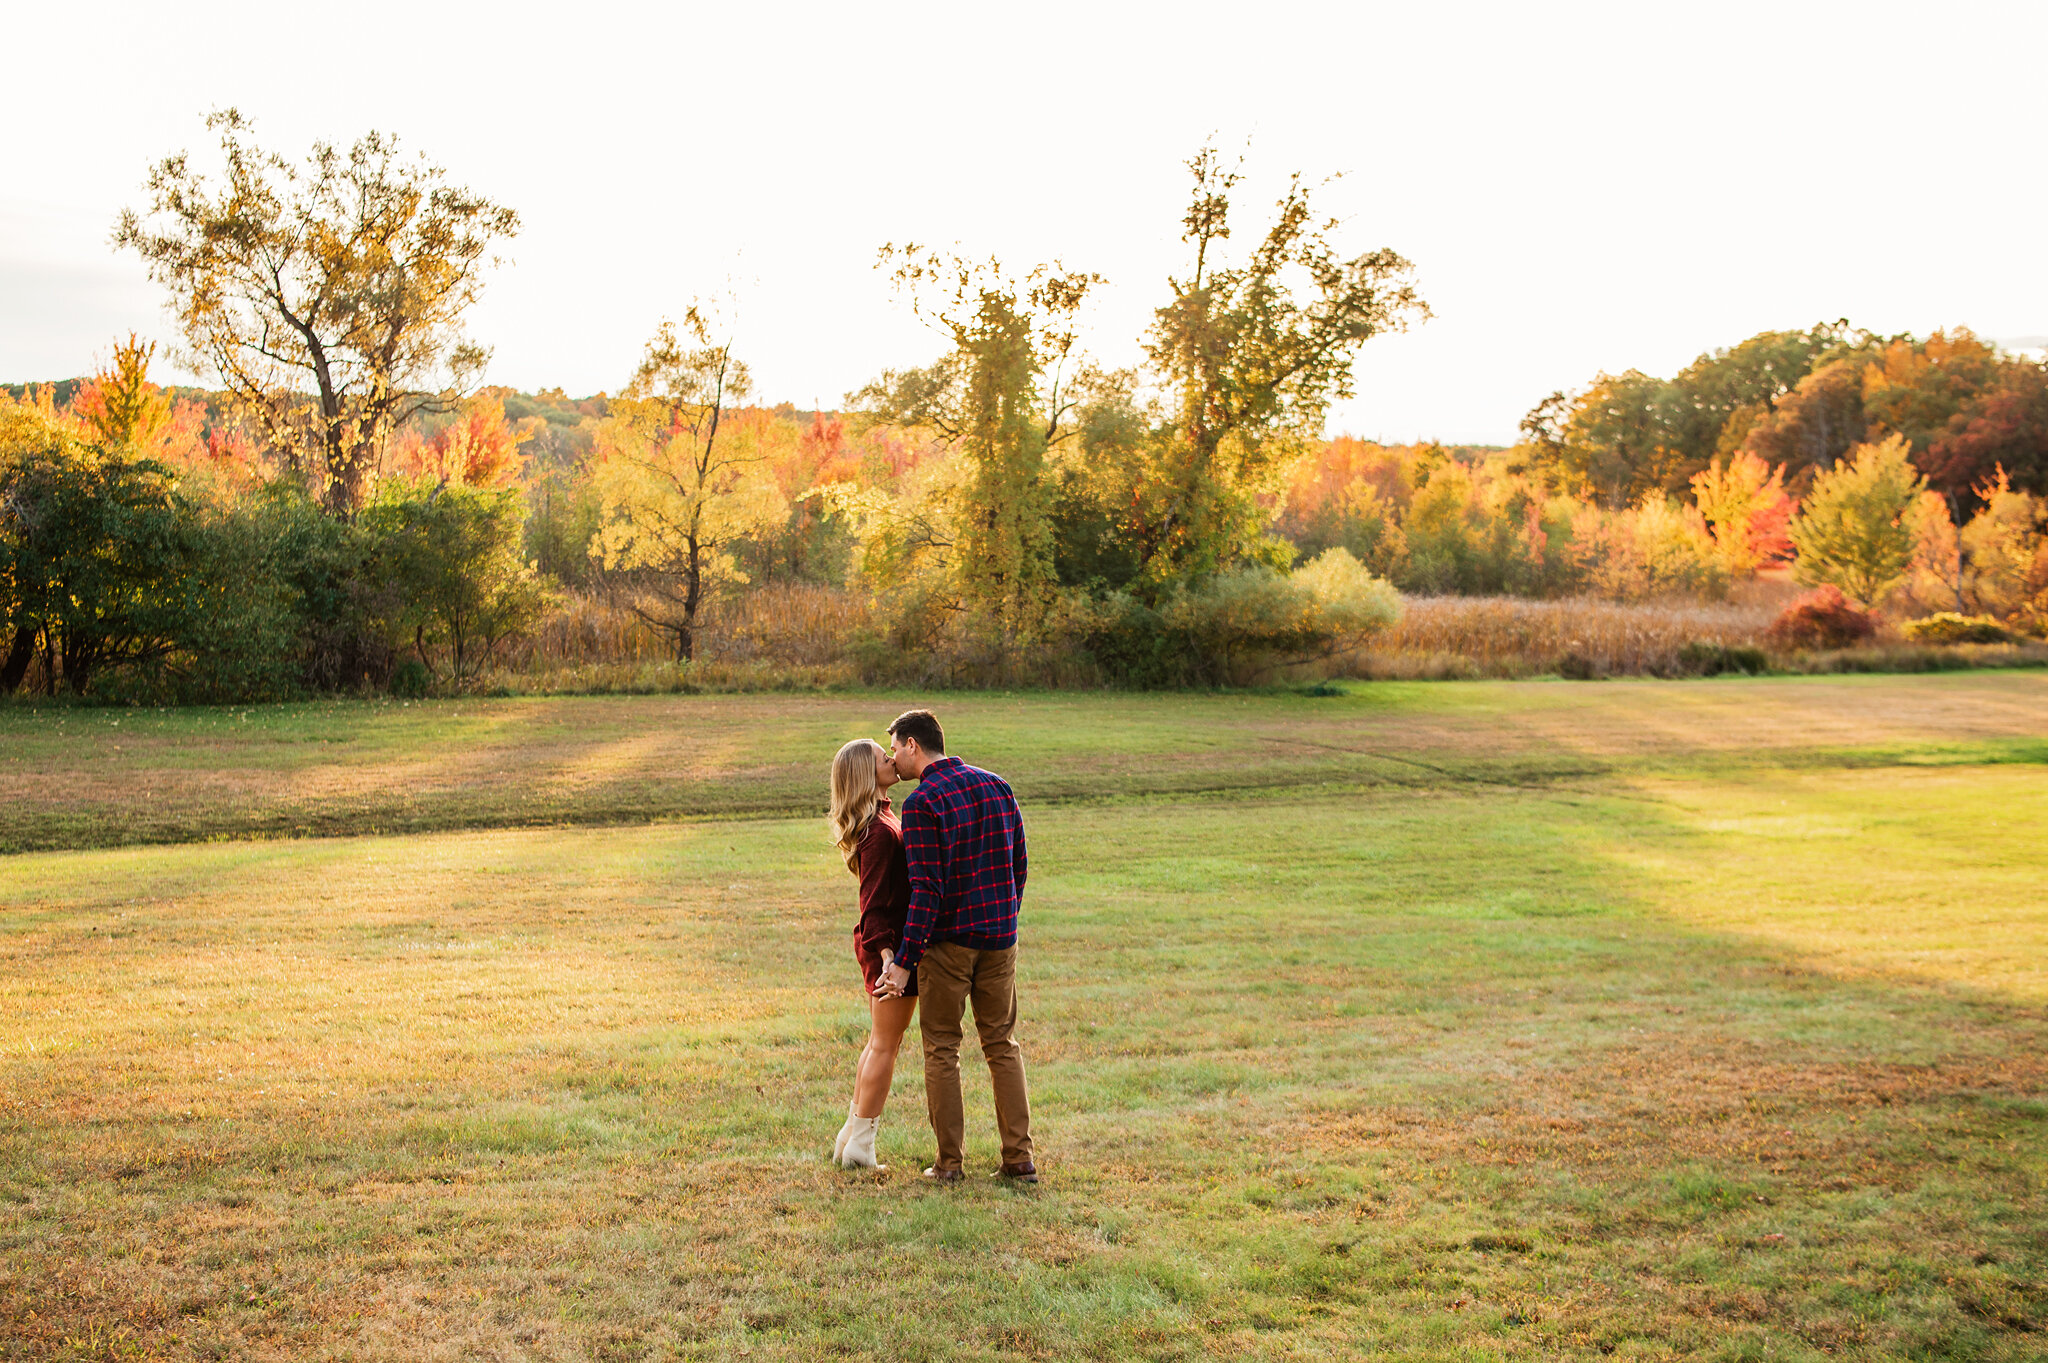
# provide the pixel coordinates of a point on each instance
(95, 778)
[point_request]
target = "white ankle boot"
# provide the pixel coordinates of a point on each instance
(839, 1141)
(859, 1150)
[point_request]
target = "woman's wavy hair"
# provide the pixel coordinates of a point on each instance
(854, 796)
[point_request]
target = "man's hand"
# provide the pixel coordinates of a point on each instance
(893, 982)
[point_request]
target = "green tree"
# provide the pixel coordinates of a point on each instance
(1856, 527)
(328, 298)
(35, 456)
(107, 572)
(1002, 398)
(1247, 367)
(1615, 445)
(1966, 410)
(90, 546)
(462, 585)
(1713, 401)
(1818, 423)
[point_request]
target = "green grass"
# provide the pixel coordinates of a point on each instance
(1658, 1021)
(75, 777)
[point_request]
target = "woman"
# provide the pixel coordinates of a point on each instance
(868, 835)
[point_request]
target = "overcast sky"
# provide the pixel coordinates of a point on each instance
(1581, 187)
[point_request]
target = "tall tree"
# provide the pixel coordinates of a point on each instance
(1248, 364)
(1611, 442)
(1002, 398)
(1713, 401)
(329, 297)
(681, 484)
(1818, 423)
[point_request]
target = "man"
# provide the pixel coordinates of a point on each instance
(964, 841)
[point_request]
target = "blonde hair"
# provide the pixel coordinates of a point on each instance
(855, 796)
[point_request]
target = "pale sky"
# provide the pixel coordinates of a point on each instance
(1581, 187)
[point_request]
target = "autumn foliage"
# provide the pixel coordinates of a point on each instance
(1011, 510)
(1823, 618)
(477, 448)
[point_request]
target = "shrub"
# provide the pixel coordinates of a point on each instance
(239, 614)
(1578, 667)
(1947, 627)
(342, 603)
(1347, 601)
(410, 679)
(1230, 625)
(1823, 618)
(1240, 623)
(1707, 658)
(453, 556)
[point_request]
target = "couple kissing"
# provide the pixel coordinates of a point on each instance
(940, 886)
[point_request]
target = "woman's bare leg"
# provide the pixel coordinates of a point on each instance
(890, 1018)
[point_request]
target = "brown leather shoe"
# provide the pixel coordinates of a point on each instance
(1027, 1172)
(944, 1175)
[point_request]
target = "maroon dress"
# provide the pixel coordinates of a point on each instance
(884, 896)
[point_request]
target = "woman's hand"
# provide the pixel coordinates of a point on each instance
(883, 988)
(894, 980)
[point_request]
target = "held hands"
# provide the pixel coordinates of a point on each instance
(894, 978)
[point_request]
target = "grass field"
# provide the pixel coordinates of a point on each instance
(75, 777)
(1632, 1020)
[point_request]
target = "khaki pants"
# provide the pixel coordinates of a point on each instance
(949, 975)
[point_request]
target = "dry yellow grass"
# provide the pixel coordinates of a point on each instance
(802, 637)
(1440, 636)
(784, 624)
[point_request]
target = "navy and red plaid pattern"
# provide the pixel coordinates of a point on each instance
(964, 840)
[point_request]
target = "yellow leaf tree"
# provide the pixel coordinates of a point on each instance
(681, 482)
(1856, 530)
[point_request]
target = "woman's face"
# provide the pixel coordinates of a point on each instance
(885, 769)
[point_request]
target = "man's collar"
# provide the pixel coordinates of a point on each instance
(937, 762)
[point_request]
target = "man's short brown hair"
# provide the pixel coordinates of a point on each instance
(922, 728)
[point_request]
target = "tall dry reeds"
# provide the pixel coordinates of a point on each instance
(807, 637)
(1501, 636)
(800, 625)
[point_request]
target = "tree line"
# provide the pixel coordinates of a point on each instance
(1882, 465)
(348, 508)
(1801, 401)
(327, 297)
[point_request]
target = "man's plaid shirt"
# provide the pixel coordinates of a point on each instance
(964, 840)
